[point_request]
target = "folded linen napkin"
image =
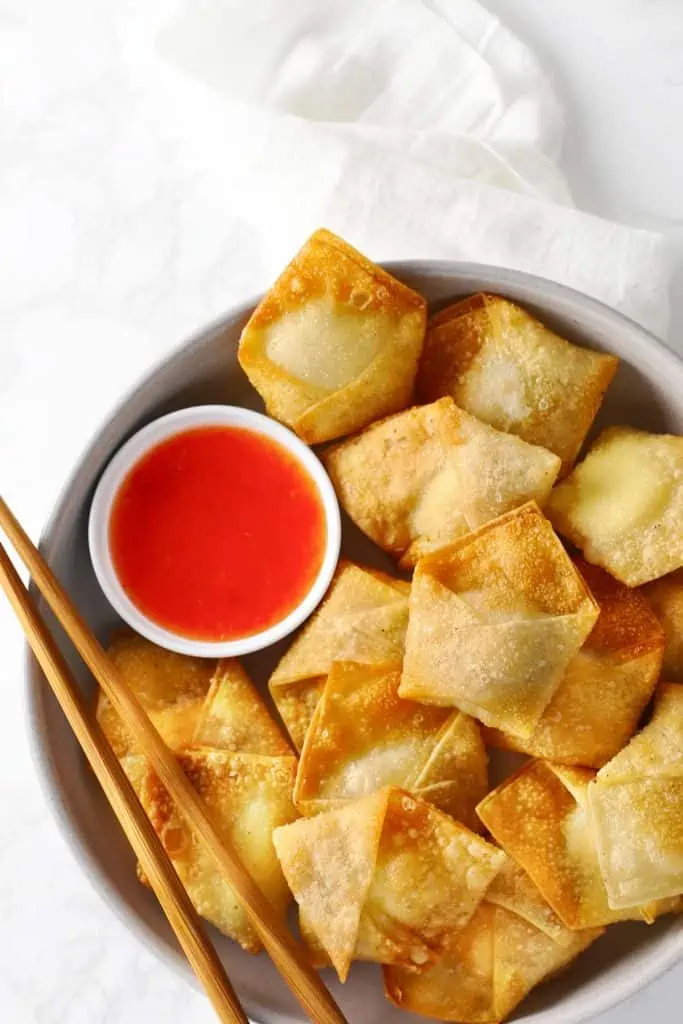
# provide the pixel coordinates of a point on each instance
(416, 128)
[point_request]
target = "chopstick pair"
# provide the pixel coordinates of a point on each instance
(285, 952)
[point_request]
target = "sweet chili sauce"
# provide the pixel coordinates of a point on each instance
(217, 533)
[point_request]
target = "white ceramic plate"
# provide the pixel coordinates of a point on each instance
(647, 392)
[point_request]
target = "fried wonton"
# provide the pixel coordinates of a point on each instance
(422, 478)
(246, 797)
(495, 620)
(386, 878)
(541, 818)
(170, 687)
(363, 618)
(364, 736)
(607, 684)
(637, 806)
(234, 717)
(502, 365)
(623, 505)
(666, 597)
(334, 344)
(512, 942)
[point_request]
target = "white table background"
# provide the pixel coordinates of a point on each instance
(64, 957)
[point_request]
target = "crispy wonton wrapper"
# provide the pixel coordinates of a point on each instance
(506, 368)
(541, 818)
(623, 505)
(364, 736)
(363, 619)
(246, 797)
(512, 942)
(334, 344)
(234, 755)
(596, 708)
(666, 597)
(637, 806)
(170, 687)
(495, 620)
(234, 717)
(422, 478)
(386, 878)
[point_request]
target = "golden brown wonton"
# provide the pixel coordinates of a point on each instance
(637, 806)
(364, 736)
(623, 505)
(666, 597)
(334, 344)
(386, 878)
(503, 366)
(170, 687)
(512, 942)
(235, 756)
(424, 477)
(363, 618)
(495, 620)
(234, 717)
(607, 684)
(246, 796)
(541, 818)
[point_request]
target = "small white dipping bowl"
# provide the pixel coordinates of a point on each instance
(116, 472)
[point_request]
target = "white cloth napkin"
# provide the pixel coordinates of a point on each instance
(412, 127)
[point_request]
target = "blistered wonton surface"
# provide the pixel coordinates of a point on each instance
(512, 942)
(607, 684)
(422, 478)
(502, 365)
(363, 618)
(364, 736)
(386, 878)
(495, 620)
(637, 806)
(334, 344)
(234, 717)
(666, 597)
(623, 505)
(246, 796)
(170, 687)
(541, 818)
(235, 756)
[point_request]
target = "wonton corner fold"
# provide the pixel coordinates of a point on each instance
(495, 620)
(607, 684)
(512, 942)
(637, 806)
(363, 618)
(246, 797)
(386, 878)
(334, 344)
(364, 736)
(541, 817)
(171, 688)
(505, 367)
(232, 751)
(623, 504)
(420, 479)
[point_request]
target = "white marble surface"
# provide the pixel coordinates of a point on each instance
(618, 67)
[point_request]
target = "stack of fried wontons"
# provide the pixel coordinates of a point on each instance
(566, 647)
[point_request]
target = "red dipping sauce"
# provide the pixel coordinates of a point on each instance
(217, 533)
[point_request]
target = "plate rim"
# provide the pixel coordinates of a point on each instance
(34, 693)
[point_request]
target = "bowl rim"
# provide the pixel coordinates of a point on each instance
(133, 450)
(463, 271)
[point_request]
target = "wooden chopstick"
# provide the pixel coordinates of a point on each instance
(286, 953)
(156, 864)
